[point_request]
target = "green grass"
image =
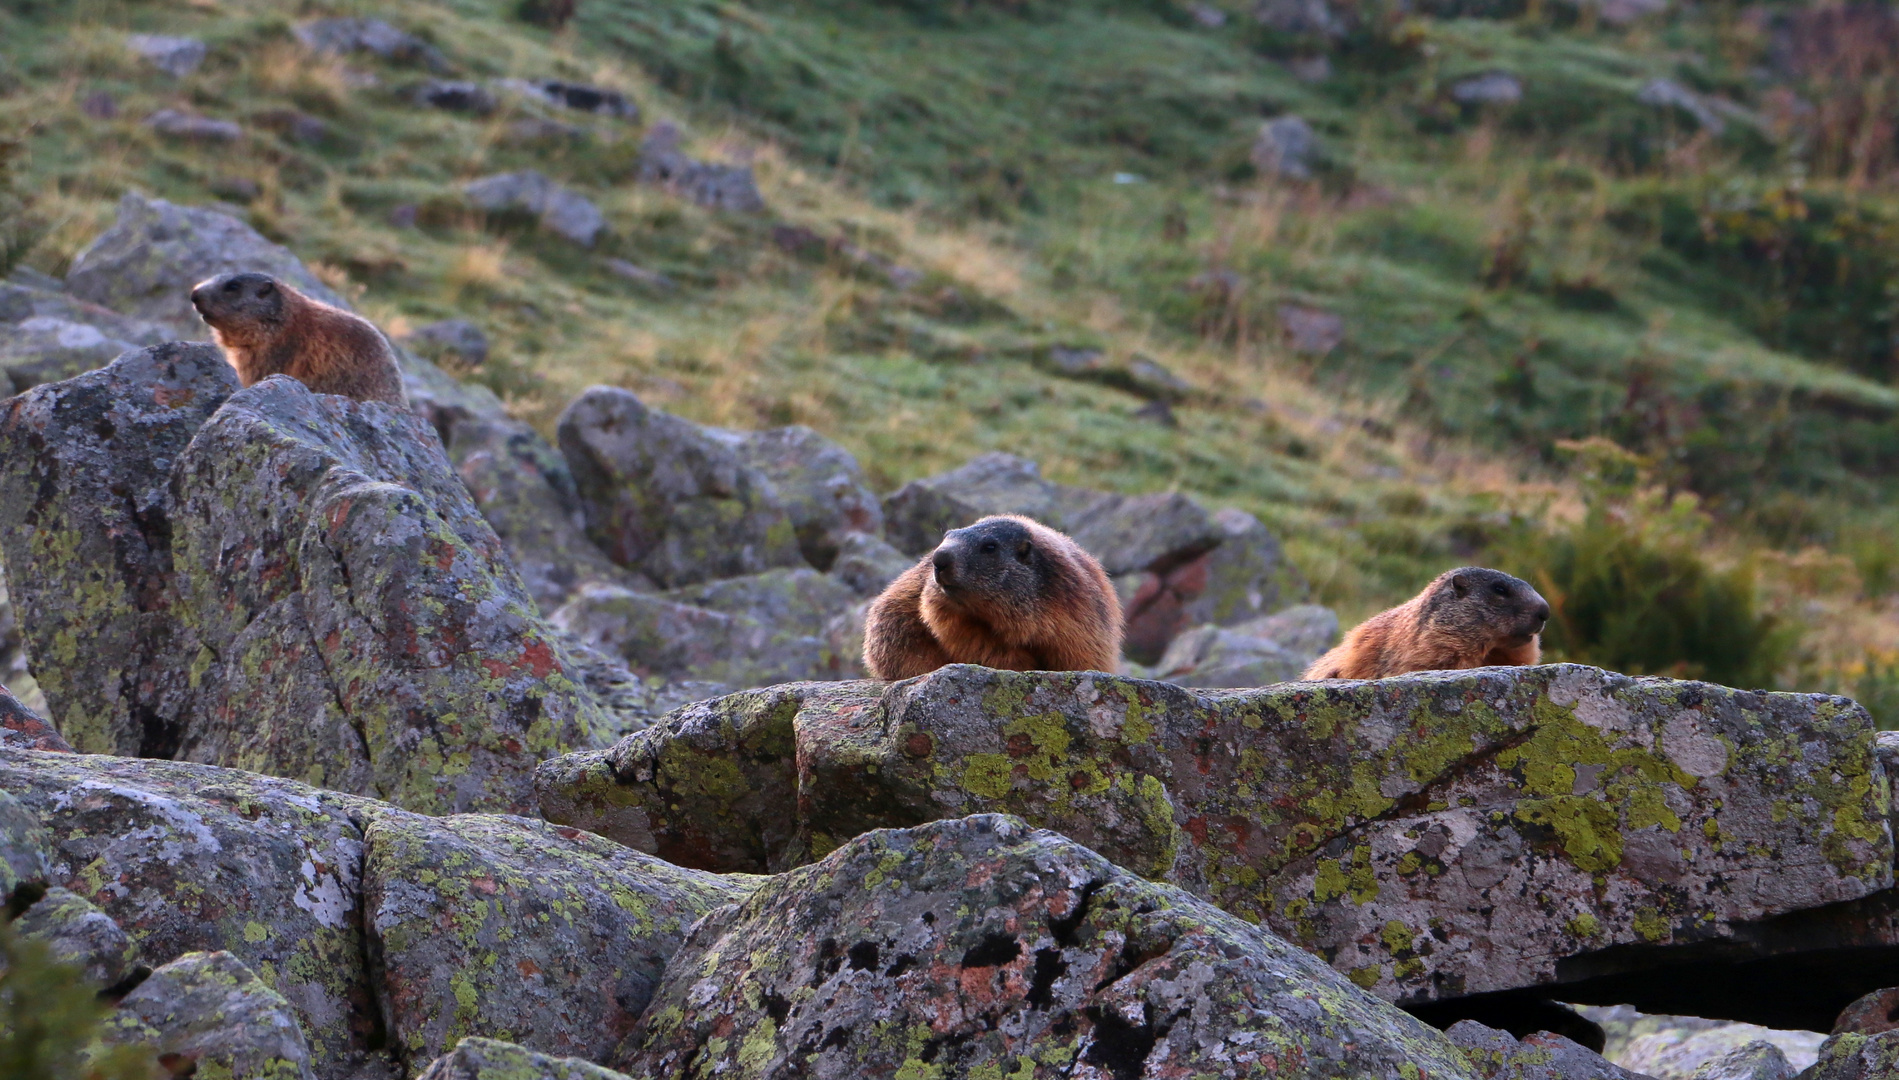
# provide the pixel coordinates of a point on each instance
(1577, 265)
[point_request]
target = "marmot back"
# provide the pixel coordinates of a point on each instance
(1006, 592)
(1468, 617)
(268, 328)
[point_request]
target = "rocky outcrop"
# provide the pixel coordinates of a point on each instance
(23, 729)
(822, 487)
(1274, 649)
(1433, 836)
(983, 947)
(488, 925)
(1497, 1055)
(81, 935)
(321, 626)
(666, 498)
(1857, 1057)
(490, 1059)
(208, 1014)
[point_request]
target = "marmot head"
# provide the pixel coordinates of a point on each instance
(1486, 605)
(241, 304)
(996, 570)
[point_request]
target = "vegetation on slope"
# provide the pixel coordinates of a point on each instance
(1707, 283)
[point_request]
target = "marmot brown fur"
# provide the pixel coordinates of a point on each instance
(1006, 592)
(1469, 617)
(268, 328)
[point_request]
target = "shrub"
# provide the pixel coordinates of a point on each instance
(1631, 589)
(49, 1021)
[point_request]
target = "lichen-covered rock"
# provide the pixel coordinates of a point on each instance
(23, 729)
(540, 934)
(756, 630)
(490, 1059)
(1238, 581)
(524, 489)
(146, 264)
(1759, 1060)
(1433, 836)
(192, 858)
(1870, 1014)
(356, 597)
(1497, 1055)
(81, 935)
(665, 497)
(1852, 1056)
(26, 850)
(1129, 533)
(820, 483)
(917, 514)
(1277, 648)
(1682, 1051)
(44, 349)
(982, 947)
(209, 1015)
(85, 467)
(868, 563)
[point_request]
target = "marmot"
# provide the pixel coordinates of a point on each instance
(1469, 617)
(1006, 592)
(268, 328)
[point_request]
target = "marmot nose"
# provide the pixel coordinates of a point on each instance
(1542, 612)
(944, 561)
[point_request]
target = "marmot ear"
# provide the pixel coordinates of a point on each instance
(1024, 550)
(1460, 583)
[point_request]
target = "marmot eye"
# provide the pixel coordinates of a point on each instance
(230, 286)
(1500, 589)
(988, 547)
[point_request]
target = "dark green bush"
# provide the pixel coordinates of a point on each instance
(49, 1021)
(1631, 589)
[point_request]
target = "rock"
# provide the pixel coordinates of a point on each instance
(1852, 1056)
(1871, 1014)
(1242, 578)
(22, 728)
(822, 488)
(100, 105)
(981, 947)
(146, 263)
(43, 349)
(85, 467)
(1529, 817)
(481, 925)
(1206, 15)
(1668, 94)
(1624, 12)
(629, 703)
(207, 1014)
(487, 1059)
(1490, 88)
(917, 514)
(589, 99)
(81, 935)
(357, 589)
(1756, 1061)
(339, 37)
(717, 187)
(560, 211)
(867, 563)
(177, 124)
(175, 56)
(756, 630)
(1286, 147)
(526, 491)
(297, 126)
(1139, 375)
(190, 858)
(1214, 657)
(1304, 18)
(1310, 331)
(665, 497)
(1498, 1055)
(639, 275)
(26, 850)
(456, 96)
(1682, 1050)
(458, 338)
(1132, 533)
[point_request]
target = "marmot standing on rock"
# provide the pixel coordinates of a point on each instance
(1469, 617)
(1006, 592)
(268, 328)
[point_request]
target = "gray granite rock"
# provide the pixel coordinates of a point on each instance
(489, 1059)
(565, 213)
(210, 1014)
(81, 935)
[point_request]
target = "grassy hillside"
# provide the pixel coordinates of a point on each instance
(1715, 309)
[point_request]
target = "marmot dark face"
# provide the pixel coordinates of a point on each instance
(236, 300)
(1475, 597)
(992, 569)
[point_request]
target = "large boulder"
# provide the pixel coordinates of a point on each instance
(189, 858)
(666, 497)
(917, 514)
(1852, 1056)
(1434, 836)
(1241, 579)
(208, 1014)
(981, 947)
(820, 483)
(491, 925)
(491, 1059)
(81, 935)
(1277, 648)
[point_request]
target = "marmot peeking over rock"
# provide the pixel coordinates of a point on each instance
(1006, 592)
(1469, 617)
(268, 328)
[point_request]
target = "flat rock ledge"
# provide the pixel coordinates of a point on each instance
(1433, 837)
